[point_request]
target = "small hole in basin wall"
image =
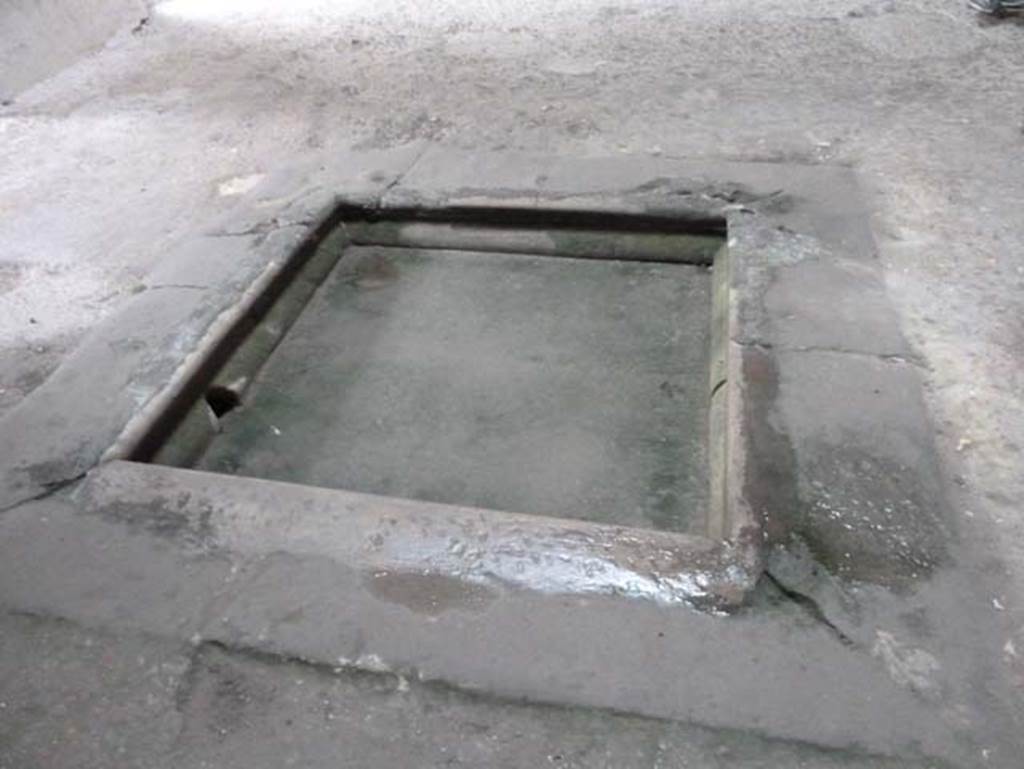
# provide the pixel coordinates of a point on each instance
(600, 427)
(222, 400)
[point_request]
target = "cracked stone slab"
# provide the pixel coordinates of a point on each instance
(300, 194)
(801, 292)
(65, 426)
(813, 278)
(556, 367)
(151, 563)
(805, 280)
(869, 496)
(126, 569)
(59, 432)
(376, 533)
(820, 201)
(72, 697)
(101, 699)
(244, 710)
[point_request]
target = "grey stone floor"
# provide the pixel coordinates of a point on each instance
(568, 387)
(112, 160)
(90, 700)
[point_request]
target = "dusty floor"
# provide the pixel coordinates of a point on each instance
(108, 163)
(439, 348)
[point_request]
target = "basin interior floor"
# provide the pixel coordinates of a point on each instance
(532, 384)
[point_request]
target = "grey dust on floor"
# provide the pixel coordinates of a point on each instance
(160, 704)
(568, 387)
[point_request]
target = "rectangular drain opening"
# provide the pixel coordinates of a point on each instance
(560, 363)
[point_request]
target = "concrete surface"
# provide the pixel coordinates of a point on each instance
(790, 217)
(567, 387)
(138, 701)
(277, 585)
(42, 37)
(118, 157)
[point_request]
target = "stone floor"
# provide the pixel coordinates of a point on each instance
(94, 700)
(111, 161)
(568, 387)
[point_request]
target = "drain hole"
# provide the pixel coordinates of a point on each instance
(222, 400)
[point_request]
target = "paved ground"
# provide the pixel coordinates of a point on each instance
(98, 701)
(405, 377)
(111, 161)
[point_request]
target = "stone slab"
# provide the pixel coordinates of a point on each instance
(567, 387)
(248, 711)
(802, 230)
(97, 699)
(42, 37)
(375, 532)
(190, 571)
(129, 567)
(72, 697)
(64, 428)
(127, 361)
(870, 501)
(795, 233)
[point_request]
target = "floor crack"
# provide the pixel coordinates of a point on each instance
(402, 174)
(260, 228)
(49, 489)
(192, 286)
(811, 607)
(885, 357)
(186, 684)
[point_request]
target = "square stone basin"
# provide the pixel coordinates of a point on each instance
(579, 389)
(569, 387)
(521, 369)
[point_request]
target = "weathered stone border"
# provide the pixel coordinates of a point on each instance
(714, 568)
(828, 430)
(80, 553)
